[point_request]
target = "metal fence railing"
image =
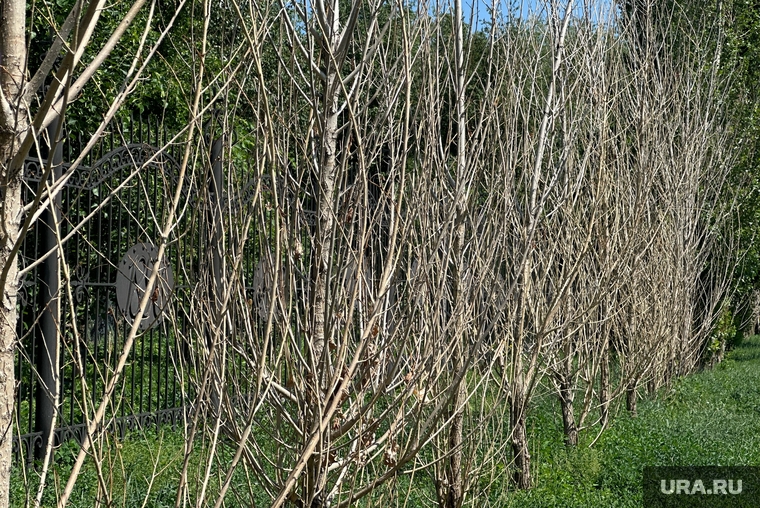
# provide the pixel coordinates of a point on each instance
(88, 329)
(107, 213)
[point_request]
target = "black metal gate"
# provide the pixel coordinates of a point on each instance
(115, 200)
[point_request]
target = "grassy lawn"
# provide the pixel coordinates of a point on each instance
(710, 418)
(129, 465)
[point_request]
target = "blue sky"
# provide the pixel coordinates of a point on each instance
(529, 8)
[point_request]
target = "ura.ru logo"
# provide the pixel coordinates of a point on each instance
(669, 487)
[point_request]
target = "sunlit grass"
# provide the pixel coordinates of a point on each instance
(710, 418)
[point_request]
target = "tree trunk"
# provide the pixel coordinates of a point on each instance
(13, 124)
(8, 319)
(315, 478)
(520, 450)
(604, 389)
(521, 476)
(630, 398)
(454, 476)
(455, 482)
(721, 352)
(566, 398)
(325, 226)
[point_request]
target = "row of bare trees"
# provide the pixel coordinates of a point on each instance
(443, 223)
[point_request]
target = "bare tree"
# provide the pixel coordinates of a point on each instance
(21, 121)
(399, 224)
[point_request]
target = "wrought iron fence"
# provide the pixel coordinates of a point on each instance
(105, 208)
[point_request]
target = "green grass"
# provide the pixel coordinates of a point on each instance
(710, 418)
(128, 464)
(143, 469)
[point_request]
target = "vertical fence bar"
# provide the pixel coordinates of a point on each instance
(217, 192)
(215, 238)
(49, 345)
